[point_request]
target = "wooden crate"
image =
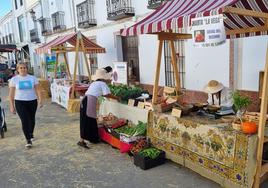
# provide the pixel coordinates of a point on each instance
(161, 109)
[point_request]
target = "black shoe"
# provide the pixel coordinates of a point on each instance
(82, 144)
(94, 141)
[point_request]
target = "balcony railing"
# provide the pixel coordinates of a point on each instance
(34, 36)
(87, 23)
(45, 26)
(58, 21)
(118, 9)
(86, 14)
(154, 4)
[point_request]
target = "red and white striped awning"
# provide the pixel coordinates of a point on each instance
(90, 46)
(177, 14)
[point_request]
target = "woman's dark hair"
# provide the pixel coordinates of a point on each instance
(108, 69)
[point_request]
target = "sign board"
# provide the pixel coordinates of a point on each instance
(176, 112)
(50, 62)
(141, 105)
(60, 94)
(131, 102)
(208, 31)
(120, 73)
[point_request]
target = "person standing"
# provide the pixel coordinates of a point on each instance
(24, 97)
(13, 68)
(88, 111)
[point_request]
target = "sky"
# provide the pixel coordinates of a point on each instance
(5, 7)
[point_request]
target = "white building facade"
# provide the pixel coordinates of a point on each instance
(236, 63)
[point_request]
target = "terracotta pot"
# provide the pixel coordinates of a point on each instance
(249, 127)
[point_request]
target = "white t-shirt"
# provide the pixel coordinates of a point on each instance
(24, 87)
(98, 88)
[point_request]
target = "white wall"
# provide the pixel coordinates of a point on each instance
(204, 64)
(148, 48)
(101, 12)
(253, 61)
(62, 5)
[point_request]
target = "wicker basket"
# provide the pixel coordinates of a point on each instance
(236, 126)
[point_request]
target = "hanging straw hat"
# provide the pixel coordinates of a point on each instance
(213, 86)
(101, 74)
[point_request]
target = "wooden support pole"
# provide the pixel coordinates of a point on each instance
(157, 71)
(175, 66)
(56, 65)
(244, 12)
(67, 66)
(86, 60)
(246, 30)
(76, 62)
(262, 123)
(172, 36)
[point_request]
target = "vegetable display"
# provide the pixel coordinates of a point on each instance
(152, 153)
(138, 130)
(138, 146)
(125, 92)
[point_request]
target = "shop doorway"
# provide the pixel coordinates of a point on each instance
(131, 55)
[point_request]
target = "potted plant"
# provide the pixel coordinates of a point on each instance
(240, 103)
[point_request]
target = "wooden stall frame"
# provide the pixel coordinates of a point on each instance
(261, 170)
(79, 47)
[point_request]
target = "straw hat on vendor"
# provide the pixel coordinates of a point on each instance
(101, 74)
(213, 86)
(218, 94)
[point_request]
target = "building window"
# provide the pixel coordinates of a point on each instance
(58, 21)
(118, 9)
(45, 26)
(86, 14)
(180, 57)
(21, 2)
(16, 5)
(93, 60)
(21, 28)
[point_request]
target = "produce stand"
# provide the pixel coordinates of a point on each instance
(75, 42)
(209, 147)
(131, 113)
(238, 21)
(121, 111)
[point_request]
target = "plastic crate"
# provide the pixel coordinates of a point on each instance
(147, 163)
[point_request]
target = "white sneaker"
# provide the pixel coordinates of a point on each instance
(29, 144)
(32, 139)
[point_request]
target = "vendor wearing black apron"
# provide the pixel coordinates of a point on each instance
(88, 112)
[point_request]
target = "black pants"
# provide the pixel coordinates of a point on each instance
(26, 111)
(88, 125)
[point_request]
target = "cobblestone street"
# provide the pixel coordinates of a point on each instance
(56, 161)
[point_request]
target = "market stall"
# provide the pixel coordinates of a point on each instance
(66, 88)
(209, 147)
(121, 129)
(242, 18)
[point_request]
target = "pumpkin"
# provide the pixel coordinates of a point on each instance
(249, 127)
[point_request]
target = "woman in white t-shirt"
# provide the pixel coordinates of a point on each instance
(24, 96)
(88, 112)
